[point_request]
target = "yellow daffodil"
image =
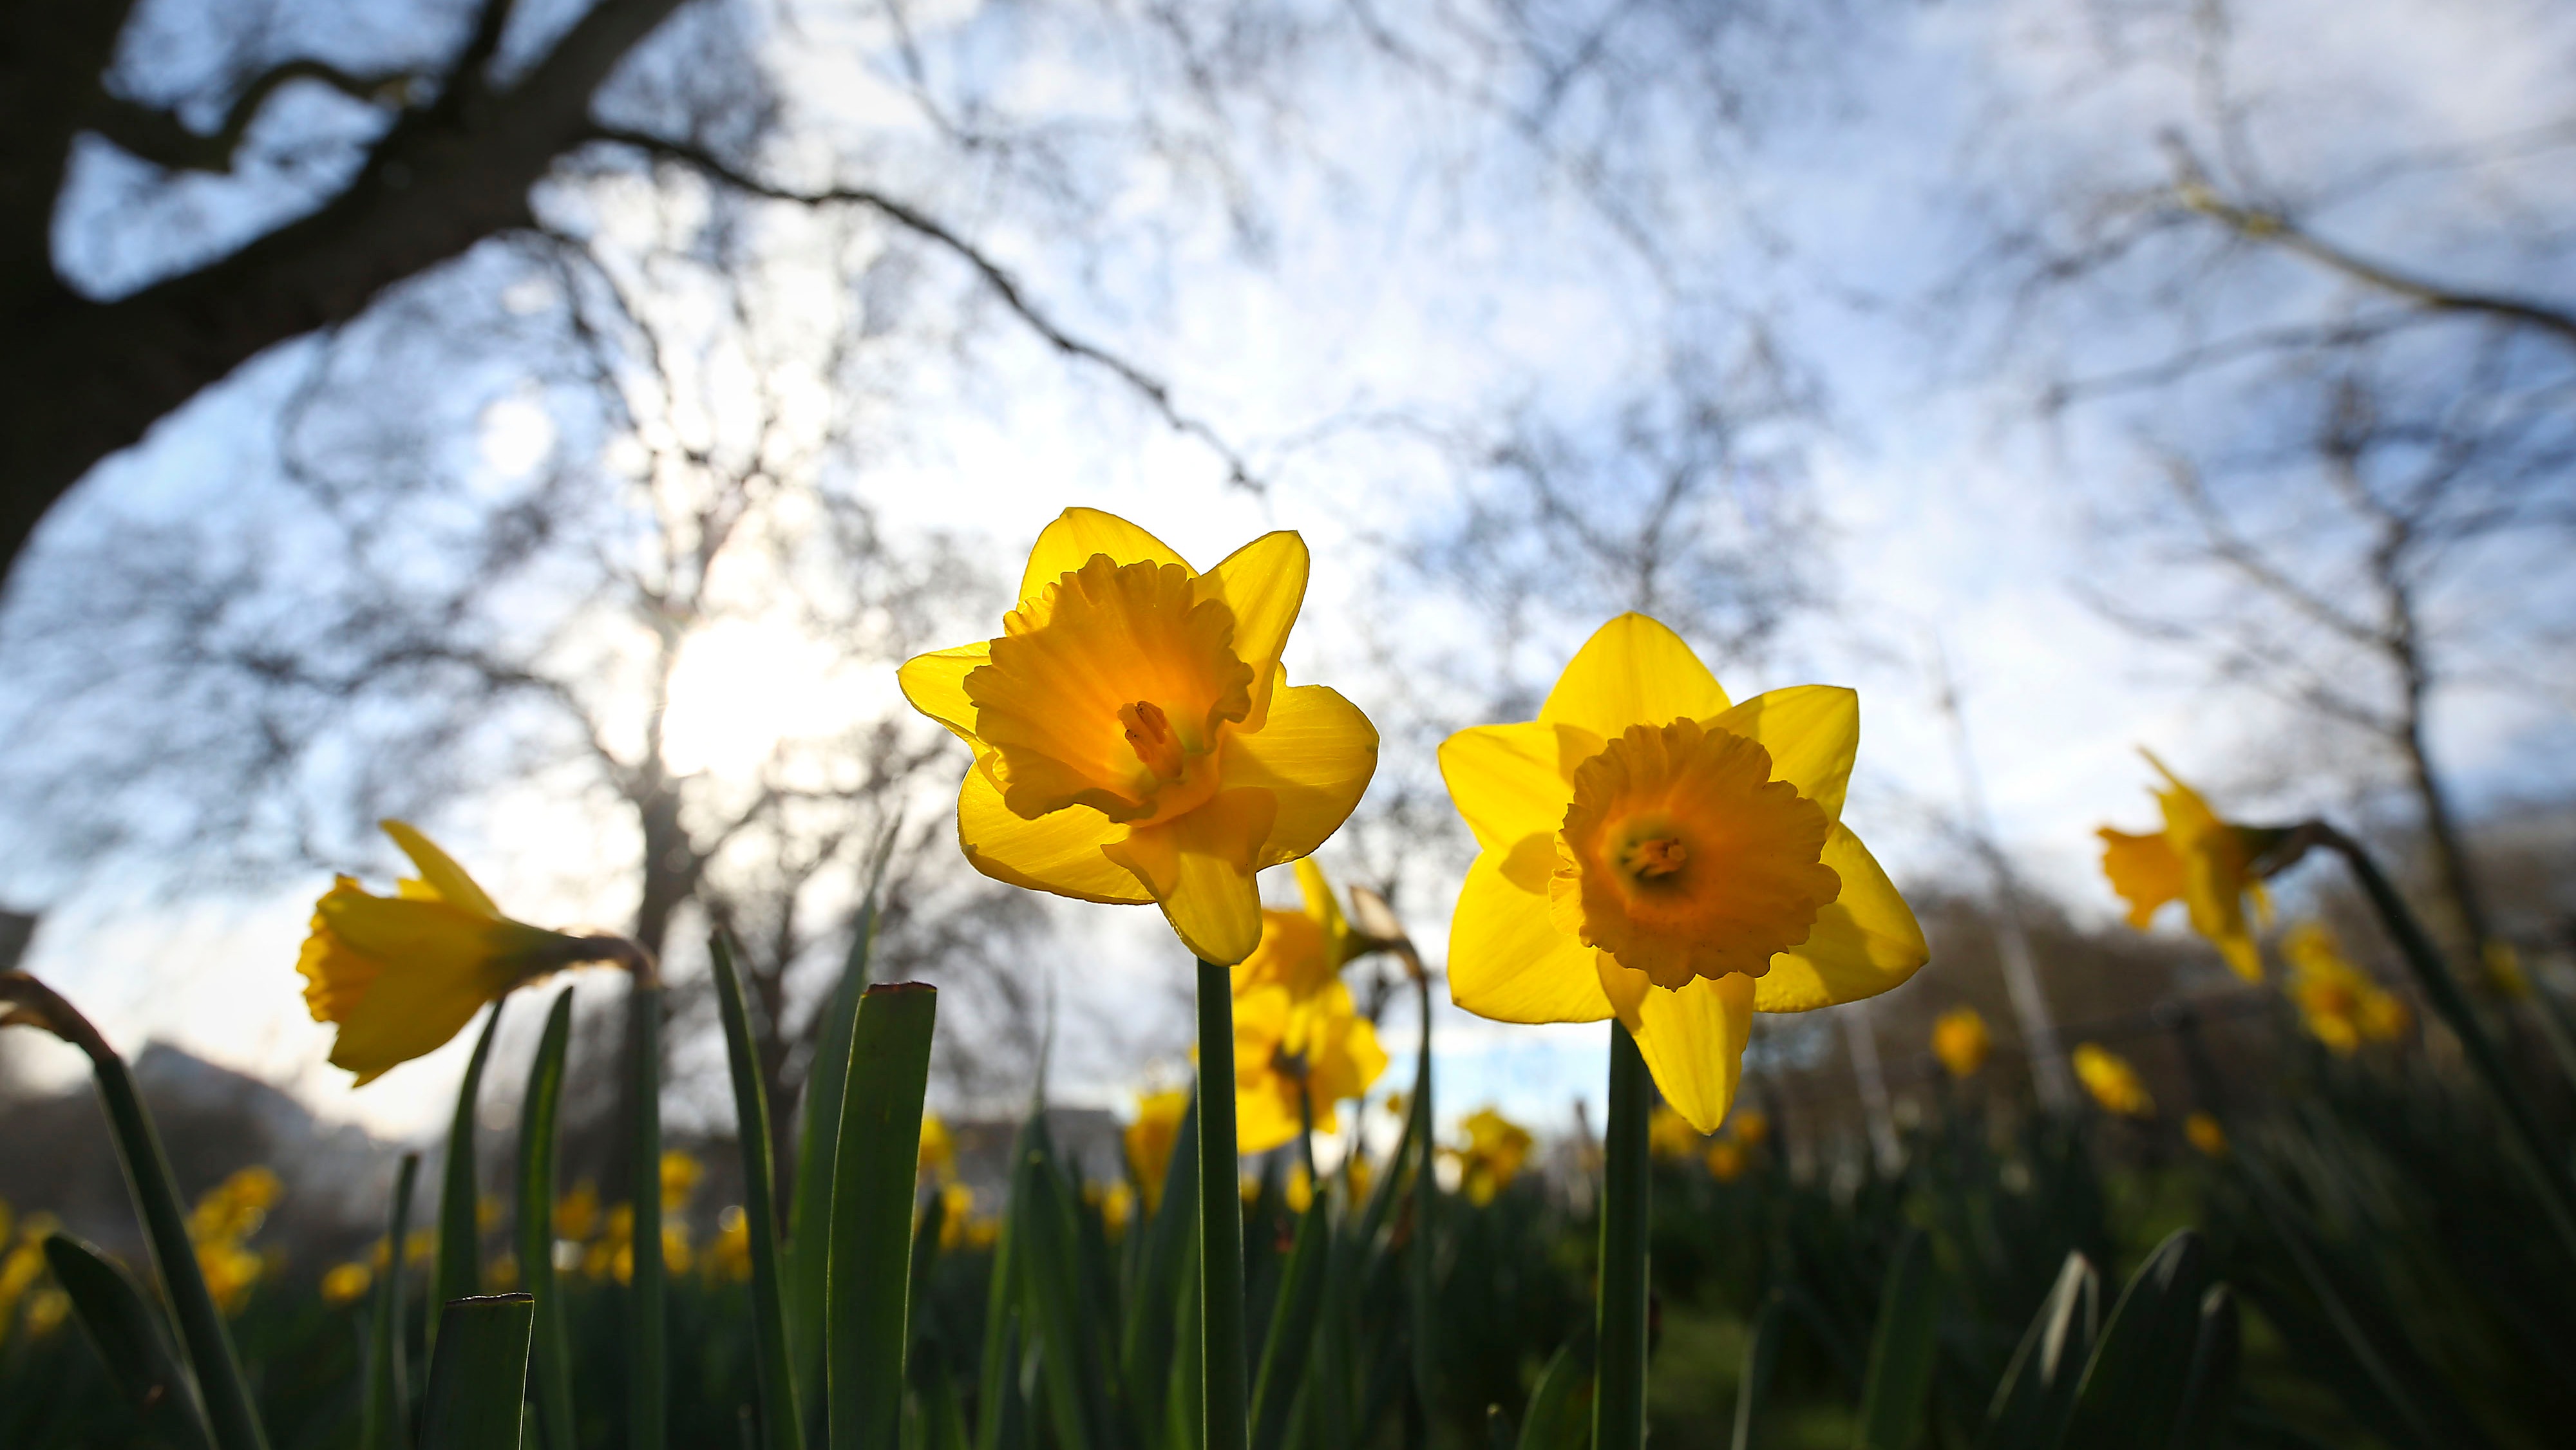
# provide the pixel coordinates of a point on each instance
(346, 1284)
(1134, 737)
(1117, 1205)
(1652, 851)
(2112, 1081)
(938, 1151)
(1725, 1159)
(956, 1214)
(577, 1213)
(1305, 949)
(1496, 1148)
(1961, 1042)
(1319, 1048)
(1670, 1136)
(728, 1257)
(402, 974)
(680, 1175)
(219, 1225)
(46, 1311)
(2206, 1135)
(2199, 860)
(2342, 1007)
(1151, 1138)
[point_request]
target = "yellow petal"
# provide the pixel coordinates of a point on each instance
(440, 871)
(1693, 1042)
(1314, 758)
(1509, 780)
(1200, 869)
(1076, 534)
(1322, 907)
(2144, 870)
(411, 1010)
(1812, 732)
(1864, 943)
(1059, 853)
(935, 683)
(1633, 671)
(1507, 961)
(399, 931)
(1263, 582)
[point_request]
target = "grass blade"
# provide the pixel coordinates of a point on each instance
(779, 1415)
(1162, 1280)
(2031, 1405)
(1426, 1215)
(458, 1271)
(387, 1418)
(1900, 1353)
(2210, 1389)
(478, 1375)
(550, 1369)
(647, 1402)
(809, 1214)
(1221, 1353)
(1753, 1386)
(867, 1305)
(1560, 1408)
(1292, 1326)
(1043, 1222)
(1619, 1396)
(2133, 1385)
(230, 1418)
(130, 1339)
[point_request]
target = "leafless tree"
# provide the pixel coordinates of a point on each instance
(2349, 368)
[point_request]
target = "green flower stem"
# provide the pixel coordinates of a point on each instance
(1426, 1207)
(646, 1398)
(1619, 1403)
(1221, 1361)
(2545, 1162)
(226, 1394)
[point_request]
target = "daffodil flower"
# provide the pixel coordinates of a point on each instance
(1496, 1148)
(402, 974)
(1961, 1042)
(1151, 1138)
(1135, 739)
(2198, 859)
(2339, 1003)
(2114, 1084)
(1654, 851)
(1318, 1048)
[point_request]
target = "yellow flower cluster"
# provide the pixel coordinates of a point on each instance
(220, 1227)
(22, 1276)
(2342, 1007)
(1495, 1151)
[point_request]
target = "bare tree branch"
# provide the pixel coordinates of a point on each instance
(161, 138)
(1153, 390)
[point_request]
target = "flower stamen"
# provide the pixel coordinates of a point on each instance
(1149, 734)
(1654, 858)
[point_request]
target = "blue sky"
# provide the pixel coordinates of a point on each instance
(1416, 262)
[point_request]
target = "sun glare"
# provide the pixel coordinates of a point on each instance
(740, 688)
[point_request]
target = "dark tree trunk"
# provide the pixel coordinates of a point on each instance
(82, 378)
